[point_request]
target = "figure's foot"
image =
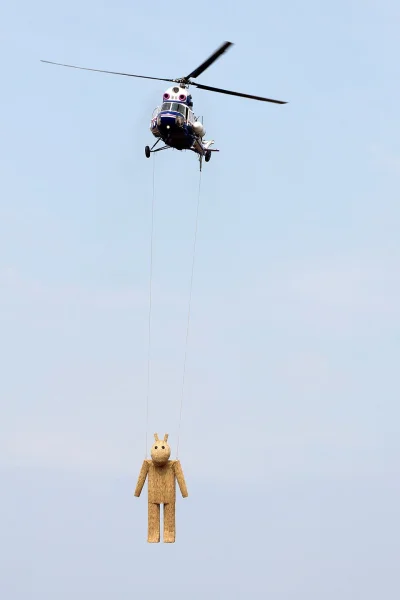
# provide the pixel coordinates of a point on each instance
(169, 538)
(153, 540)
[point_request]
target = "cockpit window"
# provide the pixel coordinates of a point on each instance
(176, 106)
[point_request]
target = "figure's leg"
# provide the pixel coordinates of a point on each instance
(153, 536)
(169, 523)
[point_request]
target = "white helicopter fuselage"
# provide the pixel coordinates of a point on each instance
(175, 122)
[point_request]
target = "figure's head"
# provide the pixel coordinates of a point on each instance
(160, 450)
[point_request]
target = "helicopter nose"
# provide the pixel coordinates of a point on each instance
(166, 121)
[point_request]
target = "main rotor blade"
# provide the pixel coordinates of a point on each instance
(101, 71)
(210, 60)
(214, 89)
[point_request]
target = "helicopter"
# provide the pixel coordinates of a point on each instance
(174, 122)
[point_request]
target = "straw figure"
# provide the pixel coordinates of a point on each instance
(162, 475)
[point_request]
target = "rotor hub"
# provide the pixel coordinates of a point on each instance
(183, 82)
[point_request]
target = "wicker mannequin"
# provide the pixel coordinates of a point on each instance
(162, 474)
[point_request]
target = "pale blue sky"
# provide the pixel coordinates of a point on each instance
(290, 433)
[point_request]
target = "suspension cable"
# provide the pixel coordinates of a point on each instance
(188, 316)
(150, 303)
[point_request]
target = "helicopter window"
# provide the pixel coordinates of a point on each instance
(166, 106)
(176, 106)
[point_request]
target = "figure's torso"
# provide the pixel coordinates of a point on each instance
(161, 483)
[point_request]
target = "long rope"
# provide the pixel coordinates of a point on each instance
(188, 317)
(150, 303)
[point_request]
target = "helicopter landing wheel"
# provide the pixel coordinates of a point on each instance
(208, 156)
(147, 152)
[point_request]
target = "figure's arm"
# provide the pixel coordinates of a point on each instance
(180, 478)
(142, 478)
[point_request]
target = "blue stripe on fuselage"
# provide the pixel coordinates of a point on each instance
(170, 113)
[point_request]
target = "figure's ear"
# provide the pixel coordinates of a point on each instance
(166, 437)
(156, 437)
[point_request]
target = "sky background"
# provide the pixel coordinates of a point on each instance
(290, 434)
